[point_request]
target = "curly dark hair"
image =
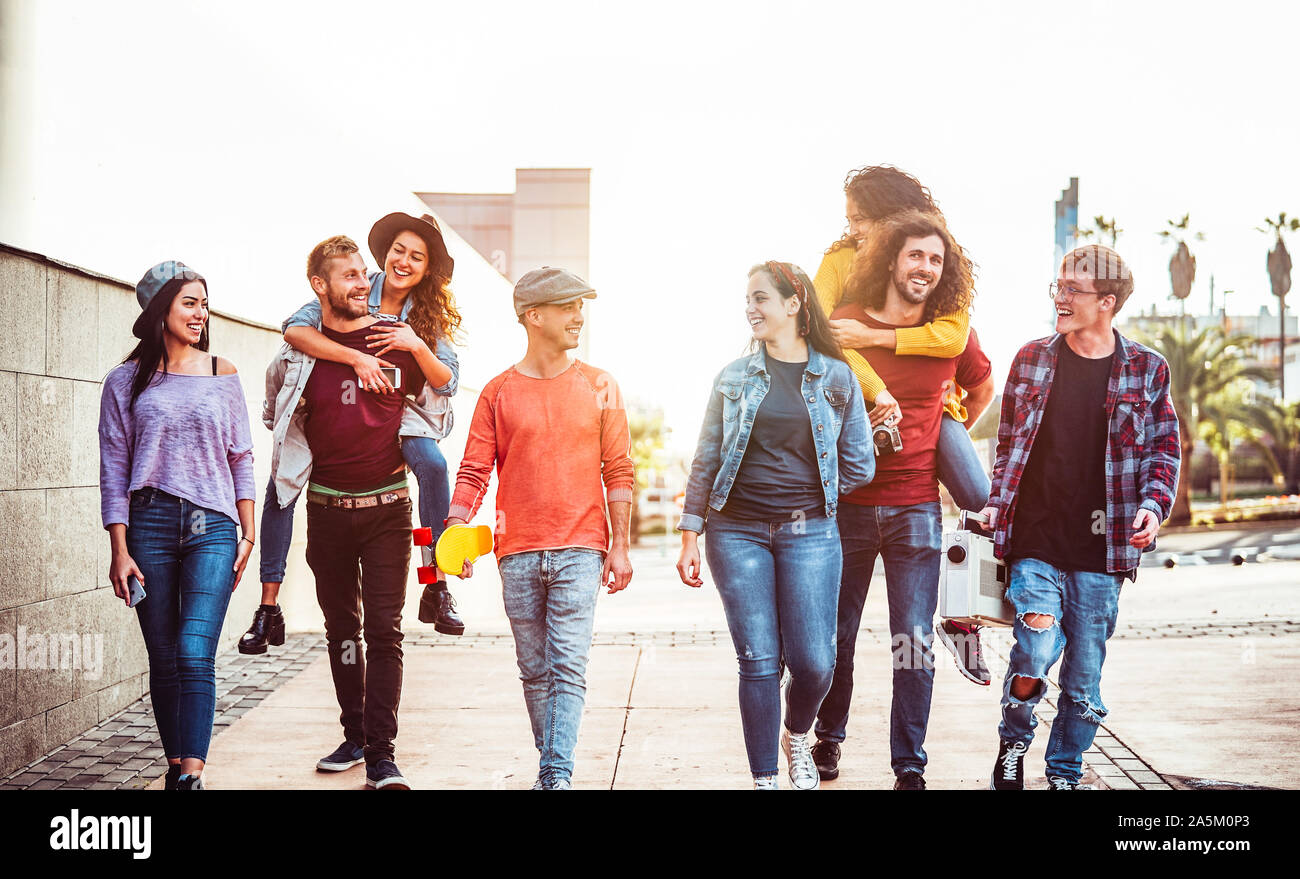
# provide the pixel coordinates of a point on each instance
(868, 285)
(881, 190)
(433, 313)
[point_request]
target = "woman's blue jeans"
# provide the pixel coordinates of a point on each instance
(425, 460)
(187, 556)
(960, 469)
(779, 583)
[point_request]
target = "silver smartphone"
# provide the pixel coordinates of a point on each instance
(135, 590)
(394, 376)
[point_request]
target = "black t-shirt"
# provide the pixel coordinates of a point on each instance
(778, 479)
(1061, 513)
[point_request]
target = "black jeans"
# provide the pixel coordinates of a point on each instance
(368, 683)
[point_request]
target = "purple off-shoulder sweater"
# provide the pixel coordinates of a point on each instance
(188, 436)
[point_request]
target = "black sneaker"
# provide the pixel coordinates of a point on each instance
(1009, 768)
(345, 756)
(964, 645)
(909, 779)
(384, 775)
(826, 757)
(173, 775)
(267, 628)
(189, 782)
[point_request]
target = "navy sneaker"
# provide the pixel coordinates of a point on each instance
(345, 756)
(384, 775)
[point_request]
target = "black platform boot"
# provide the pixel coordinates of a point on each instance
(267, 628)
(438, 607)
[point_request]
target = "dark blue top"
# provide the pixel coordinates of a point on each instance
(779, 479)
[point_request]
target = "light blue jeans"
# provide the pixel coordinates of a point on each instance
(550, 598)
(780, 586)
(1084, 607)
(960, 469)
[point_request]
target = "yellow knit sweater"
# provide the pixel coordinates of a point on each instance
(943, 337)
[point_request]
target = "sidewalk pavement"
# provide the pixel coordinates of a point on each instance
(1197, 682)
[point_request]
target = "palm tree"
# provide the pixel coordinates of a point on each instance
(1279, 423)
(1182, 265)
(1101, 228)
(1201, 364)
(1279, 275)
(1225, 422)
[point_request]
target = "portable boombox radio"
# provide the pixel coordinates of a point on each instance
(972, 583)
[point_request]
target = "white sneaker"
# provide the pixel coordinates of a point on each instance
(765, 782)
(798, 754)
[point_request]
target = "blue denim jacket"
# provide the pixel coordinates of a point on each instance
(837, 418)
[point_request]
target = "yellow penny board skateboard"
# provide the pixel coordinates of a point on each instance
(457, 545)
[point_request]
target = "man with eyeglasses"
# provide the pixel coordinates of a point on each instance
(1087, 465)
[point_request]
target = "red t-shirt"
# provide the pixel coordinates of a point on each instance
(911, 476)
(353, 433)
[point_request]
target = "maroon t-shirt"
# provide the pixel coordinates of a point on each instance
(911, 476)
(352, 432)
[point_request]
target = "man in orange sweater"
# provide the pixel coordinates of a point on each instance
(557, 432)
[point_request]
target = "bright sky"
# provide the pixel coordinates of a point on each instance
(236, 135)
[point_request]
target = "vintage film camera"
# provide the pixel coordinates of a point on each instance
(886, 438)
(972, 583)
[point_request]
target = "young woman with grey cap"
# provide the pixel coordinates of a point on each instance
(414, 289)
(175, 472)
(785, 434)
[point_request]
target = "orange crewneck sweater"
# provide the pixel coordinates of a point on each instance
(561, 447)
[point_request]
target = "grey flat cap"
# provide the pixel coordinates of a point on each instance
(550, 286)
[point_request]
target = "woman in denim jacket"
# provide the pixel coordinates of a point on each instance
(414, 289)
(785, 434)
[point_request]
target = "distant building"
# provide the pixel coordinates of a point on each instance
(546, 221)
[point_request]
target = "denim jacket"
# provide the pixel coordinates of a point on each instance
(837, 417)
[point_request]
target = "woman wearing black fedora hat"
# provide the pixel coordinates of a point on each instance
(413, 290)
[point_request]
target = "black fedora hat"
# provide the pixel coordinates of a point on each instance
(384, 231)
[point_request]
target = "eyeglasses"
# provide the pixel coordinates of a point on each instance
(1067, 292)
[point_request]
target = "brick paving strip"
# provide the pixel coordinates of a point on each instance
(124, 752)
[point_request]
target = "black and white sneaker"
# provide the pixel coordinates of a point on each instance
(1009, 768)
(384, 775)
(964, 645)
(345, 756)
(1056, 782)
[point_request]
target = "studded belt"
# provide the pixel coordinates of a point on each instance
(357, 502)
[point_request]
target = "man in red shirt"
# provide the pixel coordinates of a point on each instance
(556, 430)
(908, 273)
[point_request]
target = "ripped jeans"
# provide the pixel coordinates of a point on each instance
(1083, 607)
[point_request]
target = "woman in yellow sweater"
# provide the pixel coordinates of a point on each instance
(871, 194)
